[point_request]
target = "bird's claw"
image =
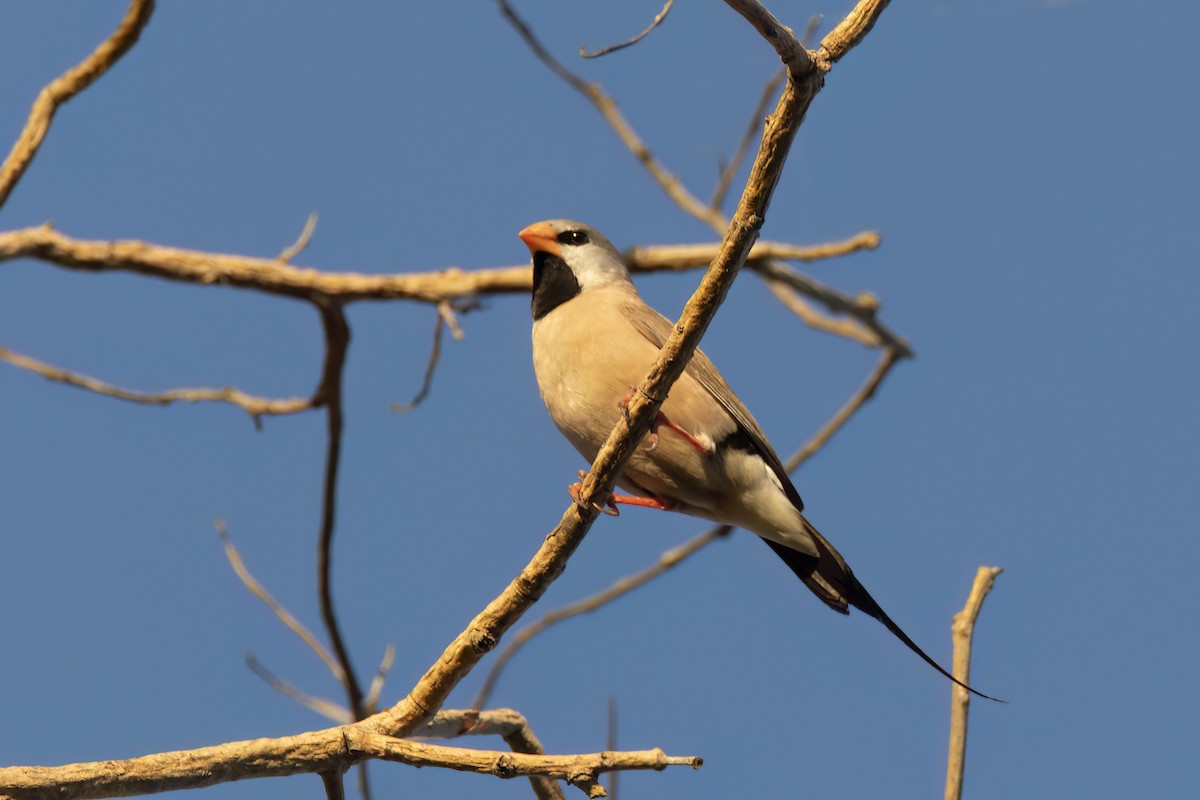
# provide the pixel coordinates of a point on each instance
(609, 508)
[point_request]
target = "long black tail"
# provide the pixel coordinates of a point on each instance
(831, 579)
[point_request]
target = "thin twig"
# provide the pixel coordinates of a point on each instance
(284, 616)
(846, 327)
(620, 588)
(962, 630)
(334, 788)
(603, 51)
(371, 701)
(435, 355)
(294, 249)
(256, 407)
(66, 86)
(607, 107)
(446, 310)
(326, 708)
(690, 256)
(843, 415)
(752, 132)
(863, 308)
(611, 743)
(337, 340)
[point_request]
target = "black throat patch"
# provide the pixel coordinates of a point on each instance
(553, 284)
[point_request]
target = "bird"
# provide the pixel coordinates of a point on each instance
(594, 339)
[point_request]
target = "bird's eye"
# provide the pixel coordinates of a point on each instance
(572, 237)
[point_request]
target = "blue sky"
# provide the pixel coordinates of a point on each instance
(1031, 167)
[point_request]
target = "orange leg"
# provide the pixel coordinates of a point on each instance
(610, 507)
(663, 419)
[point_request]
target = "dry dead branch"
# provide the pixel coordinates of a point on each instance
(962, 632)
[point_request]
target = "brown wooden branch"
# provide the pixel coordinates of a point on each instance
(725, 179)
(329, 750)
(289, 620)
(337, 341)
(612, 48)
(66, 86)
(435, 355)
(608, 109)
(256, 407)
(510, 725)
(851, 30)
(864, 308)
(319, 705)
(678, 257)
(962, 631)
(619, 588)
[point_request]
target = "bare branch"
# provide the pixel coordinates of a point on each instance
(435, 355)
(851, 30)
(963, 629)
(337, 340)
(334, 788)
(505, 723)
(843, 415)
(863, 308)
(256, 407)
(603, 51)
(739, 154)
(846, 327)
(611, 742)
(607, 107)
(294, 249)
(261, 274)
(371, 701)
(793, 55)
(284, 616)
(66, 86)
(620, 588)
(692, 256)
(329, 750)
(326, 708)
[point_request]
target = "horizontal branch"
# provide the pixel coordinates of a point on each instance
(253, 405)
(332, 749)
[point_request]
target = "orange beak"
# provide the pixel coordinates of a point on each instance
(540, 237)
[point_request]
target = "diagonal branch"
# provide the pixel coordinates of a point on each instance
(256, 407)
(66, 86)
(258, 590)
(851, 30)
(607, 107)
(612, 48)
